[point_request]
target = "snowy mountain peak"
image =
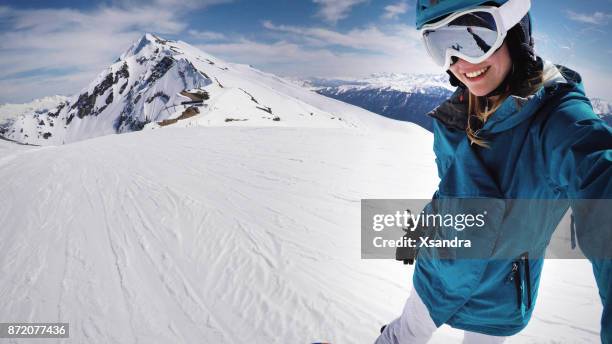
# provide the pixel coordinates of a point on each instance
(146, 45)
(158, 82)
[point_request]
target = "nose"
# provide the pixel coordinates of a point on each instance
(461, 64)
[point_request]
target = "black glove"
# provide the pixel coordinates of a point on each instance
(408, 254)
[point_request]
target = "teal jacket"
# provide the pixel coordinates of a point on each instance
(549, 146)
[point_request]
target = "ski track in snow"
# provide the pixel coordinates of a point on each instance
(228, 235)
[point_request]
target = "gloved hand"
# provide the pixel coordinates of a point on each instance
(408, 254)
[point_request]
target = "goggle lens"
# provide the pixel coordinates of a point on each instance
(473, 34)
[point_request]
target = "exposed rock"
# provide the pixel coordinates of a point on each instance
(266, 109)
(104, 85)
(84, 105)
(158, 94)
(196, 95)
(160, 69)
(122, 73)
(86, 102)
(189, 112)
(125, 123)
(109, 99)
(250, 95)
(123, 88)
(57, 110)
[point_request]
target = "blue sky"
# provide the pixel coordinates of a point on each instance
(58, 46)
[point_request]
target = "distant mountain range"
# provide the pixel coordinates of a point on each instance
(603, 109)
(404, 97)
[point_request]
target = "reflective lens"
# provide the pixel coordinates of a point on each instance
(473, 34)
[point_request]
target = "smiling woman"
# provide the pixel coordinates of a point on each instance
(536, 137)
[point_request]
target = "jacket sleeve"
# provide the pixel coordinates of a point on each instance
(407, 255)
(577, 149)
(444, 146)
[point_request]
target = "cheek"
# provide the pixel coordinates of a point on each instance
(503, 62)
(454, 71)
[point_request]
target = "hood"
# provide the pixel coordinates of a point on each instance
(515, 109)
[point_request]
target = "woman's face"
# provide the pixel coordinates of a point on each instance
(486, 76)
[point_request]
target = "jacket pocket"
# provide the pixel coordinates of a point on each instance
(520, 277)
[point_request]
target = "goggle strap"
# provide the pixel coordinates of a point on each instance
(513, 11)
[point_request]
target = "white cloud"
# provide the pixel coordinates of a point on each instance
(394, 10)
(78, 43)
(391, 39)
(595, 18)
(294, 60)
(316, 51)
(334, 10)
(207, 35)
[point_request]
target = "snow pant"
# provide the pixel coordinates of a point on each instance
(415, 326)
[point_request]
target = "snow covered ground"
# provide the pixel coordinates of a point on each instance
(228, 235)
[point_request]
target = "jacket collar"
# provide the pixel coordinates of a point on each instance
(515, 109)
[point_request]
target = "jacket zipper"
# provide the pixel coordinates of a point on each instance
(520, 283)
(525, 260)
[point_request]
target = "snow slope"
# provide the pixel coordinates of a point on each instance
(228, 235)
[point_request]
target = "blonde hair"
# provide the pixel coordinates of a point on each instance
(482, 112)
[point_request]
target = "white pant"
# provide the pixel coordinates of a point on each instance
(415, 326)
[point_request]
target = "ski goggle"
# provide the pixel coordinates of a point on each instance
(472, 35)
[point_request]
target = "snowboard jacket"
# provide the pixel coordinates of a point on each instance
(549, 145)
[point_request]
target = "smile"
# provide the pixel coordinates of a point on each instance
(476, 74)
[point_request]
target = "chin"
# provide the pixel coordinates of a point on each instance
(478, 90)
(479, 93)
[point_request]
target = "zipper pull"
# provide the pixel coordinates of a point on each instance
(512, 273)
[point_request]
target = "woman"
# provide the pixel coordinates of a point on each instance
(516, 128)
